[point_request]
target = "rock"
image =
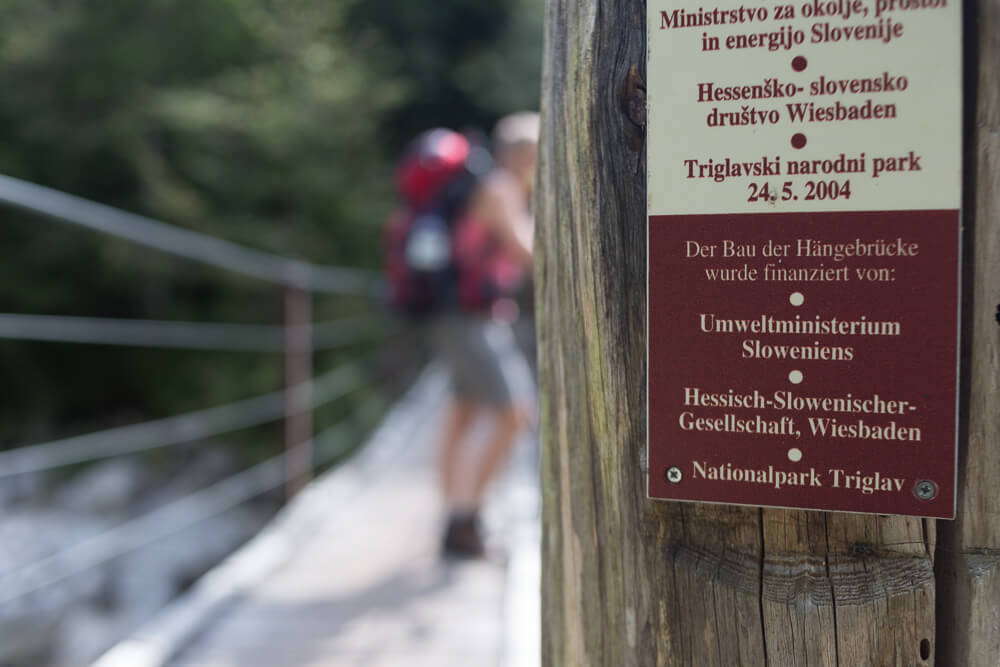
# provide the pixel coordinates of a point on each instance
(70, 620)
(21, 489)
(30, 623)
(84, 636)
(107, 488)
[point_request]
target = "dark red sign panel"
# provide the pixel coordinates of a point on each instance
(804, 360)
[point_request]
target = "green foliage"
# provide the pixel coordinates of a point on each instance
(466, 62)
(273, 124)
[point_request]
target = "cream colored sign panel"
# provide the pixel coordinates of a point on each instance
(839, 105)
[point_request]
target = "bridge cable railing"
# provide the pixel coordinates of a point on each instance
(167, 520)
(300, 337)
(326, 335)
(185, 243)
(134, 438)
(297, 338)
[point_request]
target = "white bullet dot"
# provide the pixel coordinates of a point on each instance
(794, 454)
(795, 377)
(797, 299)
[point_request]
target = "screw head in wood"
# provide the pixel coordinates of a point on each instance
(925, 490)
(674, 475)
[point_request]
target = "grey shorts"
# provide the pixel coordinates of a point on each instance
(482, 358)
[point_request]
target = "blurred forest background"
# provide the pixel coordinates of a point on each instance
(272, 123)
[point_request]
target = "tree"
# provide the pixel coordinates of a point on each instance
(633, 582)
(465, 63)
(255, 129)
(271, 124)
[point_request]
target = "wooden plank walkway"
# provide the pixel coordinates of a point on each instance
(364, 585)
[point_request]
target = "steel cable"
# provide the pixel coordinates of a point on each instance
(182, 335)
(183, 242)
(180, 428)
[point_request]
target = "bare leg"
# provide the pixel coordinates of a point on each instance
(509, 421)
(461, 414)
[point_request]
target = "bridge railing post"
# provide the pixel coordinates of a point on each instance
(298, 372)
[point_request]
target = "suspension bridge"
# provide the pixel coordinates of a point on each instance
(348, 572)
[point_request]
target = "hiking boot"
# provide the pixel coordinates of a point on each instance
(462, 538)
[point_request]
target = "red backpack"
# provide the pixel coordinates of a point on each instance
(437, 256)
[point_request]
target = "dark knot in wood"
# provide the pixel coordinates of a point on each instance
(633, 104)
(862, 549)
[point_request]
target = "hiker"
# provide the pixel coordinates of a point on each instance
(458, 253)
(489, 372)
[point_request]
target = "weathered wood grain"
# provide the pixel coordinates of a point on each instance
(969, 554)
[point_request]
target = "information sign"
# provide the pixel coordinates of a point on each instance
(804, 186)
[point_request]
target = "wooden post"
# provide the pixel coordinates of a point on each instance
(969, 560)
(629, 582)
(298, 371)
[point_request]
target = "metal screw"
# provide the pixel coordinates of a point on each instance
(674, 475)
(925, 490)
(862, 549)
